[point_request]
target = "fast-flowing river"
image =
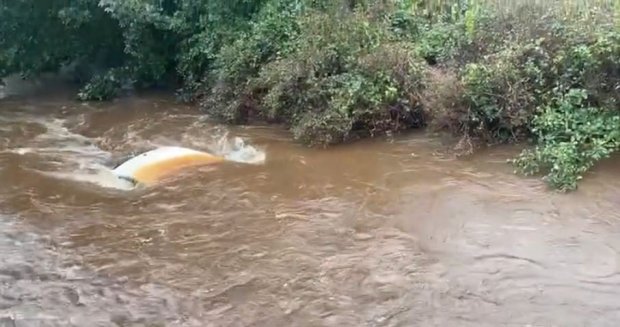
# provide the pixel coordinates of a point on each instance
(386, 232)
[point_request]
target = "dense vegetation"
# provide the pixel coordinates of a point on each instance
(336, 70)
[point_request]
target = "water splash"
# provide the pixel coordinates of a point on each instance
(237, 150)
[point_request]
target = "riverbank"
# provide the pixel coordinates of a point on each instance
(333, 72)
(489, 74)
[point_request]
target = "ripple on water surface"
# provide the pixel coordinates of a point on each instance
(377, 233)
(41, 287)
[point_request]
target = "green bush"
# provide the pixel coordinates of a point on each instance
(335, 76)
(572, 137)
(580, 124)
(270, 37)
(42, 36)
(502, 92)
(157, 43)
(554, 81)
(105, 86)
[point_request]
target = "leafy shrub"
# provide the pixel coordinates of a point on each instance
(581, 123)
(341, 77)
(494, 99)
(42, 36)
(555, 80)
(156, 42)
(572, 136)
(502, 92)
(105, 86)
(269, 38)
(205, 28)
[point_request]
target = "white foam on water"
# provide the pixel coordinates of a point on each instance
(245, 153)
(103, 177)
(59, 142)
(79, 159)
(237, 150)
(76, 156)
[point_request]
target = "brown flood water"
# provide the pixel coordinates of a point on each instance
(376, 233)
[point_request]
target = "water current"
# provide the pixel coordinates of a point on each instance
(384, 232)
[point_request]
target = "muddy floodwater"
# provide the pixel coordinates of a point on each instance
(388, 232)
